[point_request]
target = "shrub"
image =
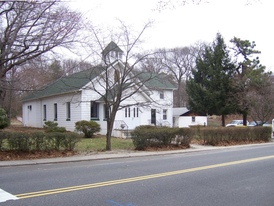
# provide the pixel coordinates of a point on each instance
(56, 139)
(60, 140)
(38, 141)
(2, 138)
(184, 136)
(70, 141)
(140, 137)
(230, 135)
(4, 120)
(165, 135)
(87, 127)
(53, 127)
(146, 136)
(19, 141)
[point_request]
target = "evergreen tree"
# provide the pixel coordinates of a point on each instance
(210, 86)
(249, 75)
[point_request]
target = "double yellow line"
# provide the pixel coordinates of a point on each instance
(134, 179)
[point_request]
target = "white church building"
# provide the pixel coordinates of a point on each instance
(80, 97)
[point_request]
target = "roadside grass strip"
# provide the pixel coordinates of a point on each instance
(5, 196)
(134, 179)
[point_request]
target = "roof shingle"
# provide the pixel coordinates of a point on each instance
(66, 84)
(76, 81)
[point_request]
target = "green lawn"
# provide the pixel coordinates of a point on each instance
(99, 144)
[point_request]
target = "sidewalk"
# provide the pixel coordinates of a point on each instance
(119, 154)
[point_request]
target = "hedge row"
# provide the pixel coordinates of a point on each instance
(38, 141)
(147, 136)
(217, 136)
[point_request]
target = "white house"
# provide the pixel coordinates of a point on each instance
(182, 117)
(79, 97)
(177, 112)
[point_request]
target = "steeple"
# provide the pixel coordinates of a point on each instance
(111, 53)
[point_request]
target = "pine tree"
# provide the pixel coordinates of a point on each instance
(209, 87)
(249, 75)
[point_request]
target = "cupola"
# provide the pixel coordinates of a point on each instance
(111, 53)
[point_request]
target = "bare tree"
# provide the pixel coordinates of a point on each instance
(261, 100)
(34, 75)
(179, 62)
(172, 4)
(152, 64)
(71, 66)
(120, 80)
(29, 29)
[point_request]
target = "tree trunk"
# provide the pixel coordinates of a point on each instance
(108, 141)
(110, 123)
(179, 94)
(3, 86)
(2, 98)
(244, 118)
(108, 135)
(223, 120)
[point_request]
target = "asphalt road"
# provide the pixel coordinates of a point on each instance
(238, 176)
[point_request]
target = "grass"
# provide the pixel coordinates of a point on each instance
(99, 144)
(86, 144)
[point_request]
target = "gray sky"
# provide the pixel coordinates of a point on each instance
(184, 25)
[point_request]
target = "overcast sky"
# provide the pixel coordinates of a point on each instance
(184, 25)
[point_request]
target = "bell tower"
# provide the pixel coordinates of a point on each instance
(111, 53)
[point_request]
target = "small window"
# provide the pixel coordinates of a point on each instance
(120, 55)
(193, 119)
(162, 95)
(55, 112)
(29, 107)
(164, 114)
(68, 111)
(135, 112)
(94, 110)
(127, 112)
(44, 112)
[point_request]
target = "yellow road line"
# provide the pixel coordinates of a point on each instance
(134, 179)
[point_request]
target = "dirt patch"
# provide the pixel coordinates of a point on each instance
(224, 143)
(165, 148)
(19, 155)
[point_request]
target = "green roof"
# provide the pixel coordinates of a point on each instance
(66, 84)
(156, 81)
(76, 81)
